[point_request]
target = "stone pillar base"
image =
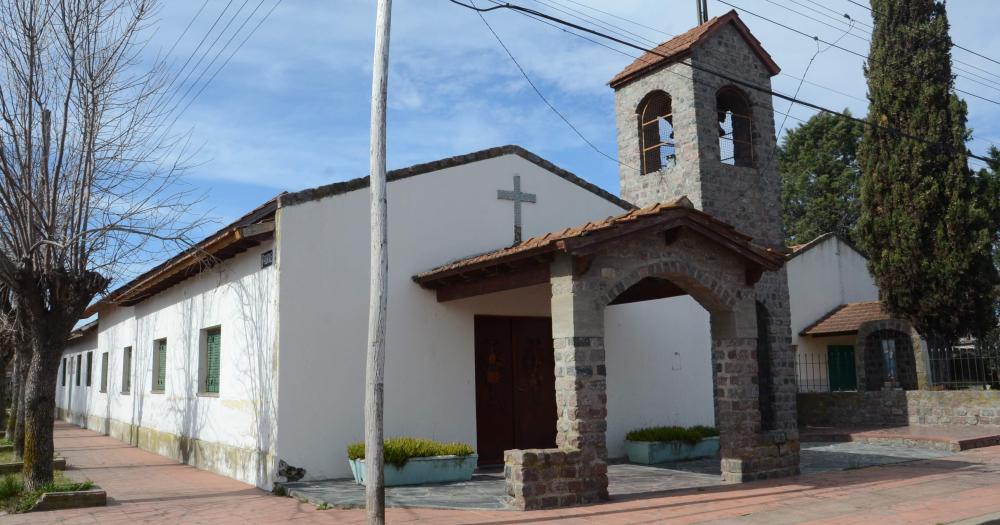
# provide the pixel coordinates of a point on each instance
(551, 478)
(775, 457)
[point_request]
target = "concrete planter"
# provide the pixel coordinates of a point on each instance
(13, 468)
(419, 471)
(651, 452)
(71, 500)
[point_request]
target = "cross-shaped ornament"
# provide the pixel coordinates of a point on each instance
(518, 197)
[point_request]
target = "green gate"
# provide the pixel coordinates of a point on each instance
(840, 364)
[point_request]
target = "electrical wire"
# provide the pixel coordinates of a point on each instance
(718, 74)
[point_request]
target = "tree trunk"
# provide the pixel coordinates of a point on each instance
(40, 395)
(4, 364)
(14, 404)
(21, 372)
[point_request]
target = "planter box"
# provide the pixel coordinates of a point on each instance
(651, 452)
(13, 468)
(418, 471)
(71, 500)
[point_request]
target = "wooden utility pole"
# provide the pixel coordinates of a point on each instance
(375, 362)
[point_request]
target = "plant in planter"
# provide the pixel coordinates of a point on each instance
(415, 461)
(662, 444)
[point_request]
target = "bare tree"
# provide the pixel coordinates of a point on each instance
(88, 176)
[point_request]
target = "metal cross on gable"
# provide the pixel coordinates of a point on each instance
(518, 197)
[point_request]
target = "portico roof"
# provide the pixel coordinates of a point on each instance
(526, 264)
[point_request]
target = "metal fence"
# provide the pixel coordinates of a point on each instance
(970, 364)
(812, 371)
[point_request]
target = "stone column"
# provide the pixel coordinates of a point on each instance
(581, 374)
(576, 471)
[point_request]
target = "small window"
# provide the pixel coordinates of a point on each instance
(79, 367)
(267, 259)
(735, 127)
(211, 349)
(104, 372)
(64, 372)
(656, 132)
(127, 370)
(90, 368)
(159, 365)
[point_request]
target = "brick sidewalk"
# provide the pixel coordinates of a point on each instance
(148, 488)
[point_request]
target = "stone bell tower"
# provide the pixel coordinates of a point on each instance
(684, 130)
(687, 131)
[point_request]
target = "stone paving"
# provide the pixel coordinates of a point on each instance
(486, 490)
(146, 488)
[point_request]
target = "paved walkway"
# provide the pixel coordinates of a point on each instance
(486, 490)
(949, 438)
(148, 488)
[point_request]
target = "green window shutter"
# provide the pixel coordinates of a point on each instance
(90, 368)
(213, 347)
(161, 365)
(64, 372)
(79, 365)
(104, 372)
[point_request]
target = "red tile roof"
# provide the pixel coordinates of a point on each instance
(847, 318)
(680, 209)
(679, 47)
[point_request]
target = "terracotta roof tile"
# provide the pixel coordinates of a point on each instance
(550, 241)
(678, 47)
(847, 318)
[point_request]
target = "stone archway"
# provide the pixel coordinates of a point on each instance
(582, 286)
(912, 371)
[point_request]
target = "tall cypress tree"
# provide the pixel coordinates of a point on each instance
(924, 223)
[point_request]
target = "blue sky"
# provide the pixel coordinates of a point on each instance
(290, 110)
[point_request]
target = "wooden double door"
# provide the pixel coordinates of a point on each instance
(515, 385)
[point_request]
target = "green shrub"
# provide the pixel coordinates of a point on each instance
(13, 497)
(689, 435)
(10, 486)
(399, 450)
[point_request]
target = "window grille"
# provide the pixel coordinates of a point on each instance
(213, 347)
(267, 259)
(160, 372)
(656, 128)
(127, 370)
(104, 372)
(735, 127)
(90, 368)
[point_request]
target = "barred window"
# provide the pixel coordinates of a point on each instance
(656, 131)
(735, 127)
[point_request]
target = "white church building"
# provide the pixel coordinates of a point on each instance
(256, 354)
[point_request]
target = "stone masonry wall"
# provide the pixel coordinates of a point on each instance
(853, 409)
(954, 407)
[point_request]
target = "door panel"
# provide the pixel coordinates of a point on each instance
(494, 388)
(515, 385)
(842, 372)
(534, 383)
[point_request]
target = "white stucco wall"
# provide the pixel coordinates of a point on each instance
(821, 278)
(430, 382)
(237, 296)
(659, 367)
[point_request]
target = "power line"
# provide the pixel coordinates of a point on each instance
(963, 48)
(842, 48)
(542, 96)
(967, 75)
(737, 81)
(670, 35)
